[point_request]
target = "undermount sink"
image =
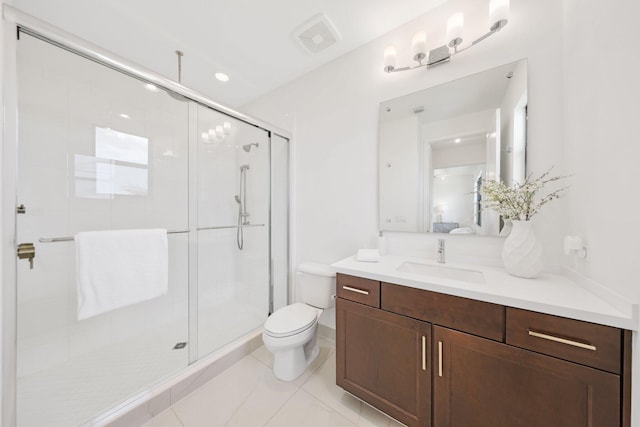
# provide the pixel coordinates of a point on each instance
(442, 271)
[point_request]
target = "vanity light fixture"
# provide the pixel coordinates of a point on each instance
(217, 133)
(498, 16)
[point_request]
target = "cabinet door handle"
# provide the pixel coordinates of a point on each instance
(360, 291)
(424, 353)
(562, 340)
(439, 358)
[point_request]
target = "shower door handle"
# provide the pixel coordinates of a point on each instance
(27, 251)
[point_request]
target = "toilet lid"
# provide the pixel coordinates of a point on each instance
(290, 320)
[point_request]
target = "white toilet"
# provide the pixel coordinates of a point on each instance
(290, 332)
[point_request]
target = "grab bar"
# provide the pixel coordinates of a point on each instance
(71, 238)
(222, 227)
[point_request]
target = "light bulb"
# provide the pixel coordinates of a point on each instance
(389, 58)
(419, 44)
(219, 132)
(226, 126)
(455, 24)
(498, 14)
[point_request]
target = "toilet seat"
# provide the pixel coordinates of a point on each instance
(290, 320)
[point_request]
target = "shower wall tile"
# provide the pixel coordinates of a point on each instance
(49, 276)
(38, 353)
(44, 188)
(87, 335)
(42, 316)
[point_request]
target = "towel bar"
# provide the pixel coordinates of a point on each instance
(70, 238)
(222, 227)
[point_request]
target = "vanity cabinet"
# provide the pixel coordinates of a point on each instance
(478, 382)
(427, 358)
(383, 358)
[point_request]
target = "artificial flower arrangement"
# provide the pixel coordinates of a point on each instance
(522, 251)
(522, 201)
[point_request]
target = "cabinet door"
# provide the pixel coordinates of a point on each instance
(382, 358)
(477, 382)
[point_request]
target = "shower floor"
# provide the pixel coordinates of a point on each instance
(73, 393)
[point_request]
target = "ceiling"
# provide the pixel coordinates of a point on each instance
(251, 41)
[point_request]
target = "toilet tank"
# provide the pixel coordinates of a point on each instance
(316, 284)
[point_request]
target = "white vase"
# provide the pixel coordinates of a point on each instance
(522, 252)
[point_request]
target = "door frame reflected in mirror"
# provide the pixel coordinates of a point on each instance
(477, 119)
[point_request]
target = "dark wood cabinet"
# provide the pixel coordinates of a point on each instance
(481, 383)
(427, 358)
(383, 358)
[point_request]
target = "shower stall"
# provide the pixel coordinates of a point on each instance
(104, 147)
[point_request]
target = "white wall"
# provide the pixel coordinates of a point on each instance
(602, 87)
(459, 126)
(336, 121)
(459, 155)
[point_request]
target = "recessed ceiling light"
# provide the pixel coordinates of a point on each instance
(124, 116)
(151, 87)
(222, 77)
(457, 140)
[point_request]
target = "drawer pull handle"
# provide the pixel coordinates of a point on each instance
(439, 358)
(562, 340)
(424, 353)
(360, 291)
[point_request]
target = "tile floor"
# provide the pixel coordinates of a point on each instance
(247, 394)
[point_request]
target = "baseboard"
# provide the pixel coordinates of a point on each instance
(325, 331)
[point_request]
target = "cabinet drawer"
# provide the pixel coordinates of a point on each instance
(586, 343)
(475, 317)
(364, 291)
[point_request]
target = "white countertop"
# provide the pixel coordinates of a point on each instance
(549, 293)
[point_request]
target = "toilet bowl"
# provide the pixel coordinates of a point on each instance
(290, 333)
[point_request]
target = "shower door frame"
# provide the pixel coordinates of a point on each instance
(13, 22)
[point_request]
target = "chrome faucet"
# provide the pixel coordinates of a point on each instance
(441, 251)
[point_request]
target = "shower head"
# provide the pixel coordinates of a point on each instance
(237, 199)
(247, 147)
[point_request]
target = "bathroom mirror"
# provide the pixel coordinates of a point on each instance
(438, 145)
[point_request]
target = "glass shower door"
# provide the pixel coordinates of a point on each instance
(233, 229)
(97, 151)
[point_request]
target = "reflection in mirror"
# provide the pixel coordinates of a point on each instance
(437, 146)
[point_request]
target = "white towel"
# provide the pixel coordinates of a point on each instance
(368, 255)
(117, 268)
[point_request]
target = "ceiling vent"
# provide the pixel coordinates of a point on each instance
(317, 34)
